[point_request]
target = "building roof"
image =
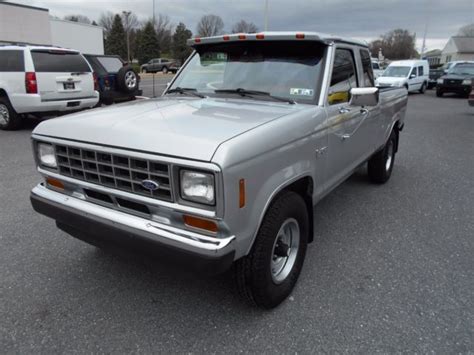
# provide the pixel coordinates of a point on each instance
(24, 6)
(276, 36)
(433, 53)
(464, 44)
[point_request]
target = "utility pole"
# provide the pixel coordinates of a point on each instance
(127, 14)
(428, 13)
(266, 16)
(154, 23)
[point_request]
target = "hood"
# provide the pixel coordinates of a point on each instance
(456, 77)
(186, 127)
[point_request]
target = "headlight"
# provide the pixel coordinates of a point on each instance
(197, 187)
(439, 81)
(46, 155)
(467, 82)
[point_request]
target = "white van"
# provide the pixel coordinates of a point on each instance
(412, 74)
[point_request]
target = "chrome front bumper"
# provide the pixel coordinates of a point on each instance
(91, 222)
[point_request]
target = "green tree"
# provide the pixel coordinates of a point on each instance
(147, 43)
(180, 49)
(116, 42)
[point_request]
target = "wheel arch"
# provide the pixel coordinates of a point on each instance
(302, 185)
(3, 93)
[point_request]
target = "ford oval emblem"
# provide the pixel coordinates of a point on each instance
(150, 185)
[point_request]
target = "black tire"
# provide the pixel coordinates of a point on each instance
(164, 70)
(253, 274)
(379, 166)
(127, 79)
(423, 88)
(439, 93)
(9, 119)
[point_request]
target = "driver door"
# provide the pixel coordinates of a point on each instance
(349, 131)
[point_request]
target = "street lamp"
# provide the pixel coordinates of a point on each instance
(127, 14)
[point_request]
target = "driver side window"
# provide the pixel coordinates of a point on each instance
(413, 72)
(343, 77)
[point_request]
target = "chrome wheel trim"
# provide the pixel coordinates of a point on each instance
(388, 162)
(4, 115)
(281, 266)
(130, 79)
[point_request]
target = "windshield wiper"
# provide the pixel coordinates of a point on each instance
(191, 91)
(250, 93)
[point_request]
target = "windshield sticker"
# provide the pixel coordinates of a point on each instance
(301, 92)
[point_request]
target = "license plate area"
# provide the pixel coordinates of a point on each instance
(69, 86)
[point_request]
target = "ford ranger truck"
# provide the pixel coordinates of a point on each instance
(223, 170)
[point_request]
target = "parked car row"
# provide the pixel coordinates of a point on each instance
(415, 76)
(46, 80)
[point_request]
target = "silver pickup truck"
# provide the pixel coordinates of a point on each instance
(224, 169)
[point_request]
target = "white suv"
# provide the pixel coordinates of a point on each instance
(43, 80)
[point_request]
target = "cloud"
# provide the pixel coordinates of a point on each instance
(353, 18)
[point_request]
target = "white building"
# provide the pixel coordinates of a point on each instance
(28, 24)
(458, 48)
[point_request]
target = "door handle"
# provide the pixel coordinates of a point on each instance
(364, 111)
(344, 110)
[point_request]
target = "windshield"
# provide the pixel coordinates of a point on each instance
(375, 66)
(288, 70)
(462, 69)
(397, 72)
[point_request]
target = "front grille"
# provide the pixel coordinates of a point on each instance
(452, 82)
(115, 171)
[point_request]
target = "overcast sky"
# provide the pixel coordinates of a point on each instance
(362, 19)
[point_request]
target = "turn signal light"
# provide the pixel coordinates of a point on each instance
(300, 35)
(260, 36)
(200, 223)
(197, 40)
(242, 193)
(226, 37)
(242, 37)
(55, 183)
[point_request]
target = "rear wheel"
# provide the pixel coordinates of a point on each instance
(380, 166)
(268, 274)
(9, 119)
(165, 70)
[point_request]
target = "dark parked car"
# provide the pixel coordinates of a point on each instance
(117, 81)
(435, 74)
(160, 64)
(457, 80)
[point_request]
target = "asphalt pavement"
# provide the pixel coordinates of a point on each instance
(391, 268)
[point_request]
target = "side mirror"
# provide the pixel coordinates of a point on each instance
(412, 76)
(364, 96)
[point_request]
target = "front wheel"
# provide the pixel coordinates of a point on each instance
(423, 88)
(439, 93)
(268, 274)
(165, 70)
(380, 166)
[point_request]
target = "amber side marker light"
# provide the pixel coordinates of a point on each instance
(200, 223)
(242, 193)
(55, 183)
